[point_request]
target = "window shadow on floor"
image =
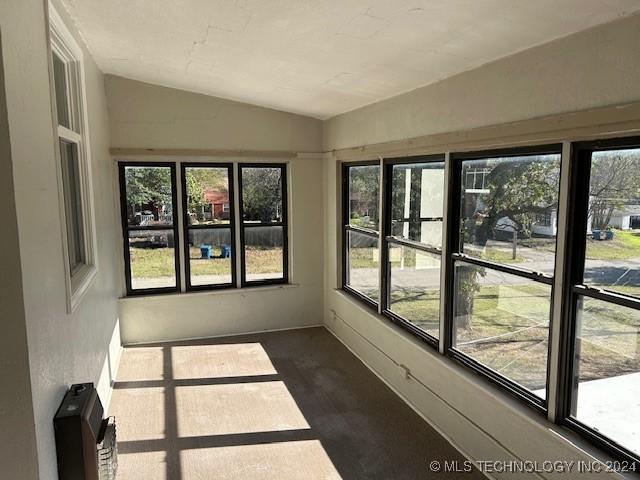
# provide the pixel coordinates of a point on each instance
(300, 406)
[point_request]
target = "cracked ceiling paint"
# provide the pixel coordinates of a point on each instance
(320, 57)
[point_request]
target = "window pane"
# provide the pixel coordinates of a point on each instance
(364, 195)
(417, 201)
(363, 261)
(502, 321)
(414, 288)
(613, 226)
(509, 210)
(149, 196)
(210, 256)
(608, 355)
(152, 259)
(263, 253)
(207, 195)
(60, 85)
(262, 194)
(72, 204)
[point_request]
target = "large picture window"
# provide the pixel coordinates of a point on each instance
(209, 225)
(361, 230)
(150, 227)
(263, 227)
(503, 266)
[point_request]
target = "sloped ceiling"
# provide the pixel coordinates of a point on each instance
(320, 57)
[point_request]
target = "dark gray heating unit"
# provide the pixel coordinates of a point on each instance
(85, 441)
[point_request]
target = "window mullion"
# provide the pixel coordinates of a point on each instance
(383, 230)
(446, 272)
(182, 231)
(560, 277)
(238, 225)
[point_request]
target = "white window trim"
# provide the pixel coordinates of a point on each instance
(65, 46)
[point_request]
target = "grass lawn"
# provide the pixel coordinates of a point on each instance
(152, 262)
(494, 253)
(159, 262)
(624, 245)
(501, 256)
(508, 331)
(364, 257)
(420, 307)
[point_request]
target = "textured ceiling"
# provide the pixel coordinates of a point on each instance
(319, 57)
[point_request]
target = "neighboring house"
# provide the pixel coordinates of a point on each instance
(217, 204)
(546, 224)
(625, 218)
(628, 217)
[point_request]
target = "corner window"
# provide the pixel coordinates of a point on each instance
(361, 230)
(263, 227)
(74, 163)
(150, 227)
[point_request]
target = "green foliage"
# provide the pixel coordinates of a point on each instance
(199, 181)
(363, 193)
(521, 188)
(148, 185)
(262, 194)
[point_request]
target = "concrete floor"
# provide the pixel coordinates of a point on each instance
(283, 405)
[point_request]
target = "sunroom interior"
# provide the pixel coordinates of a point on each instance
(321, 239)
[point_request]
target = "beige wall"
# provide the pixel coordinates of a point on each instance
(17, 436)
(206, 314)
(148, 116)
(62, 348)
(590, 69)
(594, 68)
(144, 115)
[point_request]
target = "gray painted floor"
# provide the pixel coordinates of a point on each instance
(283, 405)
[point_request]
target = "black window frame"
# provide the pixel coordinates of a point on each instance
(456, 255)
(565, 289)
(186, 227)
(574, 288)
(284, 224)
(388, 240)
(346, 228)
(126, 228)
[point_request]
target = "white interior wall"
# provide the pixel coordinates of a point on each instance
(590, 69)
(149, 116)
(62, 348)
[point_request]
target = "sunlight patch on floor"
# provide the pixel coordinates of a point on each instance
(284, 460)
(237, 408)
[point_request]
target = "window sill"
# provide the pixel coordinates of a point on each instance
(213, 293)
(79, 285)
